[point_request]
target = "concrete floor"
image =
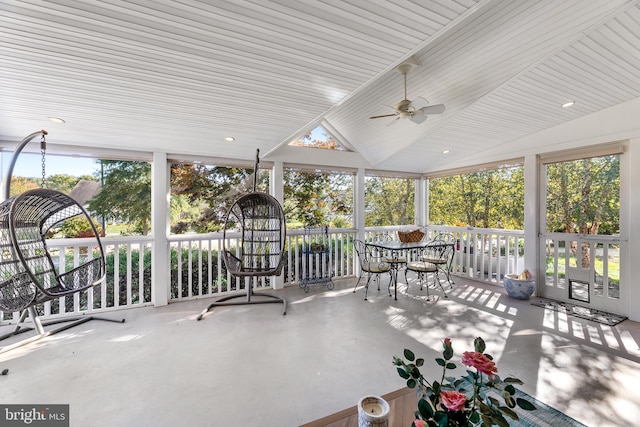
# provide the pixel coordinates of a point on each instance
(250, 365)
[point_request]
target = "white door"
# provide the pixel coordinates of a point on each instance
(580, 246)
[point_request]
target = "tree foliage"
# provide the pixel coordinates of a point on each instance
(487, 199)
(63, 182)
(210, 192)
(583, 196)
(60, 182)
(318, 198)
(389, 201)
(20, 184)
(125, 194)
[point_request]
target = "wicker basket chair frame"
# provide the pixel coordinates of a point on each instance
(28, 274)
(260, 251)
(32, 275)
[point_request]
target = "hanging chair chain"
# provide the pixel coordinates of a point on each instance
(43, 147)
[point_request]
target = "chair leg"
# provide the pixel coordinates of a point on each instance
(357, 283)
(449, 278)
(426, 278)
(440, 283)
(366, 287)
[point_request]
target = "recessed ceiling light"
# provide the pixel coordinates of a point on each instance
(56, 120)
(568, 104)
(445, 151)
(229, 138)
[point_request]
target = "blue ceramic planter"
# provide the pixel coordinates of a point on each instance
(518, 289)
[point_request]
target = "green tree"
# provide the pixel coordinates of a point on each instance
(212, 190)
(313, 198)
(125, 194)
(389, 201)
(62, 182)
(487, 199)
(20, 184)
(583, 196)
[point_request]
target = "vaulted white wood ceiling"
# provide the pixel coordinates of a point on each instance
(178, 77)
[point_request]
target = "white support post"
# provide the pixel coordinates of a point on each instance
(276, 187)
(358, 213)
(358, 204)
(630, 226)
(531, 217)
(421, 204)
(160, 226)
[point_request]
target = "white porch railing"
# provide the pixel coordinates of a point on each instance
(480, 253)
(127, 282)
(197, 271)
(594, 259)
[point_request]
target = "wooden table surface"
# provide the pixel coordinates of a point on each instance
(402, 405)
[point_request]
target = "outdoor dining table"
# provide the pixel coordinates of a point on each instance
(398, 250)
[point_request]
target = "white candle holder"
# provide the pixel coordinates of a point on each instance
(373, 411)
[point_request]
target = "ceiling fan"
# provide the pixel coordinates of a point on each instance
(412, 110)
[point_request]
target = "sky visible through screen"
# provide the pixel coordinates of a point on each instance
(30, 165)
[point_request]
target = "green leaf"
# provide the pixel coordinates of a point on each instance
(419, 362)
(498, 419)
(415, 372)
(440, 361)
(484, 408)
(447, 353)
(486, 420)
(425, 409)
(474, 417)
(525, 404)
(441, 418)
(512, 380)
(411, 383)
(510, 389)
(451, 365)
(403, 373)
(510, 402)
(408, 354)
(509, 412)
(494, 401)
(479, 345)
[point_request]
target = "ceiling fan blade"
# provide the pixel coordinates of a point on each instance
(433, 109)
(418, 117)
(384, 115)
(419, 103)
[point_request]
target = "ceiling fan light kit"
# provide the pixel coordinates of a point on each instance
(407, 109)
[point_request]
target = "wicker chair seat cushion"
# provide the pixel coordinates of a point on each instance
(376, 267)
(422, 267)
(434, 259)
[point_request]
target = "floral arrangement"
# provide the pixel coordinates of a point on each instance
(464, 401)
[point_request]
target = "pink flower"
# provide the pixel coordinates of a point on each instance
(420, 423)
(453, 400)
(479, 361)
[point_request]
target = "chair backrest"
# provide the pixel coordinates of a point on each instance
(28, 274)
(439, 252)
(259, 219)
(364, 253)
(444, 236)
